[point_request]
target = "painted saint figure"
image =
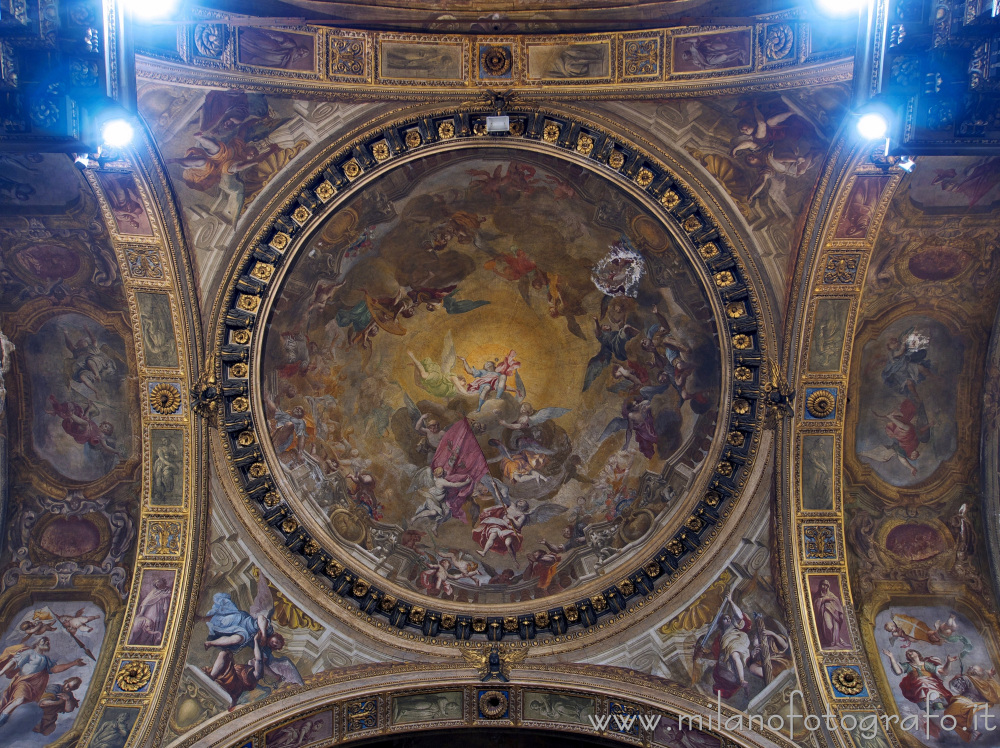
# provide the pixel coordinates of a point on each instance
(147, 631)
(29, 669)
(59, 699)
(491, 378)
(831, 621)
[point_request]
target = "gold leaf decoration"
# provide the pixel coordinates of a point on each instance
(821, 404)
(133, 676)
(165, 399)
(848, 681)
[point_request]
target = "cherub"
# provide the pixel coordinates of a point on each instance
(40, 623)
(77, 623)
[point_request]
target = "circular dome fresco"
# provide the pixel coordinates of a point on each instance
(490, 375)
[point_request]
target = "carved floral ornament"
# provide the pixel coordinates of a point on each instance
(243, 430)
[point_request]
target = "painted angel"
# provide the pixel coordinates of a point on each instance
(437, 378)
(79, 622)
(499, 527)
(637, 421)
(90, 363)
(231, 630)
(612, 348)
(526, 427)
(441, 501)
(492, 377)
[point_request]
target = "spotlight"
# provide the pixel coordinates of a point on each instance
(906, 164)
(840, 8)
(117, 133)
(151, 10)
(873, 126)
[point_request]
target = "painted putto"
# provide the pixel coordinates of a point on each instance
(559, 353)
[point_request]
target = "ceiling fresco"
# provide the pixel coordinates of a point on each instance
(222, 148)
(472, 355)
(765, 150)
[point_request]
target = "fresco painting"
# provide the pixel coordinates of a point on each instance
(569, 61)
(282, 50)
(721, 51)
(544, 706)
(46, 665)
(38, 183)
(817, 472)
(826, 348)
(934, 658)
(153, 609)
(125, 202)
(301, 732)
(494, 462)
(968, 183)
(78, 372)
(766, 149)
(167, 484)
(251, 649)
(427, 707)
(114, 728)
(861, 206)
(732, 641)
(829, 611)
(866, 731)
(405, 60)
(907, 411)
(227, 149)
(158, 340)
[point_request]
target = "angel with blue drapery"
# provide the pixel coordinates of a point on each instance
(232, 630)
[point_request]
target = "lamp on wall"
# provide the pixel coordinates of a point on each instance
(840, 8)
(151, 10)
(117, 133)
(873, 125)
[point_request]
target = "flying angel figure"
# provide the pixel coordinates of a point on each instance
(499, 527)
(637, 420)
(612, 347)
(78, 622)
(526, 427)
(519, 467)
(437, 378)
(231, 629)
(440, 503)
